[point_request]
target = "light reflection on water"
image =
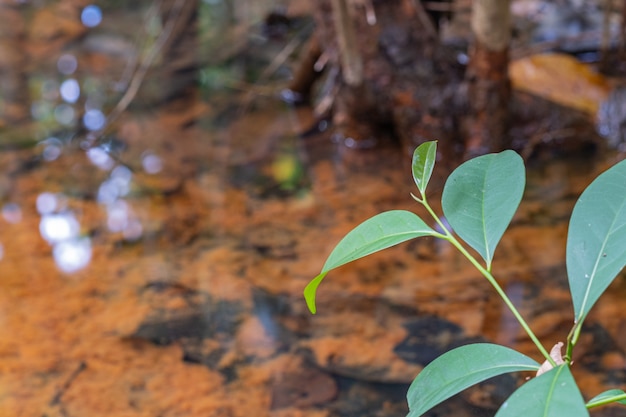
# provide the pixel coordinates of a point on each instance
(94, 119)
(12, 213)
(100, 158)
(72, 255)
(91, 16)
(52, 148)
(67, 64)
(151, 163)
(61, 229)
(120, 215)
(70, 90)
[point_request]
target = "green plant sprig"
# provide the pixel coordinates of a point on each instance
(449, 236)
(479, 200)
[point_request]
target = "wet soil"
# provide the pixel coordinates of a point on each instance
(202, 313)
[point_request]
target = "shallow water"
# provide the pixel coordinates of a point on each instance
(157, 269)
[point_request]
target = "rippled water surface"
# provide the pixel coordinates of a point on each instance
(154, 245)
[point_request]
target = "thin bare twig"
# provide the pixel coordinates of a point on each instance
(148, 60)
(59, 394)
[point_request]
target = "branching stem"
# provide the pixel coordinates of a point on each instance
(572, 339)
(449, 236)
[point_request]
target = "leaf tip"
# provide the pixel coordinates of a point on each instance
(310, 290)
(422, 163)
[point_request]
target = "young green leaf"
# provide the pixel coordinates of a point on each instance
(480, 198)
(553, 394)
(596, 241)
(461, 368)
(423, 163)
(608, 397)
(379, 232)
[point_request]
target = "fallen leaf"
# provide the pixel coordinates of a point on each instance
(560, 78)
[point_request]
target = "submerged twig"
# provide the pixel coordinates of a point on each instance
(57, 396)
(148, 60)
(176, 14)
(276, 62)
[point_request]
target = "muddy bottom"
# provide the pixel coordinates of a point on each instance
(136, 291)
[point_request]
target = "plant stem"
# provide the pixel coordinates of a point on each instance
(450, 238)
(607, 400)
(572, 338)
(487, 274)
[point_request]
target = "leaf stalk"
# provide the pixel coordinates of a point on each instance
(605, 401)
(449, 236)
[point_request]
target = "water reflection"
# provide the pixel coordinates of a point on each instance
(94, 119)
(91, 16)
(47, 203)
(70, 90)
(151, 163)
(121, 219)
(72, 255)
(12, 213)
(100, 158)
(52, 148)
(67, 64)
(65, 114)
(111, 193)
(115, 187)
(61, 229)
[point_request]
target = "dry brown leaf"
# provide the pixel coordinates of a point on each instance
(555, 354)
(560, 78)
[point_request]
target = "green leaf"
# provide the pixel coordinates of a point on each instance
(379, 232)
(552, 394)
(608, 397)
(310, 290)
(461, 368)
(423, 163)
(596, 241)
(480, 198)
